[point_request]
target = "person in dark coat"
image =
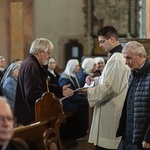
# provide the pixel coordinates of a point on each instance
(2, 70)
(32, 81)
(2, 66)
(6, 128)
(51, 72)
(76, 103)
(134, 126)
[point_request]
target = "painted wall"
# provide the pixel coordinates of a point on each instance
(54, 19)
(3, 30)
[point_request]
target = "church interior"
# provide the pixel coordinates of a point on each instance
(72, 27)
(69, 24)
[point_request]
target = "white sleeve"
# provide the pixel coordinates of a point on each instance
(114, 79)
(97, 80)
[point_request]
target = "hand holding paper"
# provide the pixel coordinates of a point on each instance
(83, 90)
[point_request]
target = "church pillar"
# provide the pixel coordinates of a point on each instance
(20, 26)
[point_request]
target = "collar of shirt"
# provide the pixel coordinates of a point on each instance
(116, 49)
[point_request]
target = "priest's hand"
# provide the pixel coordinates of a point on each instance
(89, 80)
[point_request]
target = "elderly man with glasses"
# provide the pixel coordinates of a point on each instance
(6, 128)
(32, 81)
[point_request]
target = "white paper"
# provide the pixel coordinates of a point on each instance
(85, 87)
(91, 85)
(61, 99)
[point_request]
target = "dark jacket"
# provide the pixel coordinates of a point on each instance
(82, 77)
(14, 145)
(53, 79)
(135, 119)
(1, 76)
(71, 103)
(31, 84)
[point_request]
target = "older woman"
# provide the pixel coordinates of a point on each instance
(51, 72)
(76, 103)
(9, 82)
(88, 67)
(100, 64)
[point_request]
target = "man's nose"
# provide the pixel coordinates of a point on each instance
(6, 120)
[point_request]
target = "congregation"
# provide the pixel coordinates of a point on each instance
(119, 96)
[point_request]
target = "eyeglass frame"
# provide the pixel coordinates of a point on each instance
(103, 41)
(6, 118)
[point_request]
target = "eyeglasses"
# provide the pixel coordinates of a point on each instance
(102, 41)
(4, 119)
(48, 53)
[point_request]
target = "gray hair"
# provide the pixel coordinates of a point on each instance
(41, 45)
(135, 47)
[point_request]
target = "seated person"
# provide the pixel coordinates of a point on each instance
(76, 103)
(9, 83)
(2, 69)
(2, 66)
(17, 60)
(88, 67)
(51, 72)
(100, 64)
(6, 128)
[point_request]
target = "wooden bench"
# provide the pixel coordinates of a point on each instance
(44, 133)
(33, 134)
(49, 107)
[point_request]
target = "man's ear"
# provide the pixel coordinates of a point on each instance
(112, 39)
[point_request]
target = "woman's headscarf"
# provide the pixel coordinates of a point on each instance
(52, 71)
(10, 71)
(99, 59)
(88, 64)
(71, 64)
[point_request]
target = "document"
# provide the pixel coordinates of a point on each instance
(79, 89)
(85, 87)
(61, 99)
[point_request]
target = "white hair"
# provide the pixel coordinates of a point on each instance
(41, 45)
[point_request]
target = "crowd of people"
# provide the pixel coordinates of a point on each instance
(119, 96)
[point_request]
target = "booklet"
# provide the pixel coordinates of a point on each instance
(85, 86)
(91, 85)
(61, 99)
(78, 89)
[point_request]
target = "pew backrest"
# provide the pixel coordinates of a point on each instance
(48, 107)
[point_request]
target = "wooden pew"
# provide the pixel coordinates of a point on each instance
(33, 134)
(46, 107)
(48, 117)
